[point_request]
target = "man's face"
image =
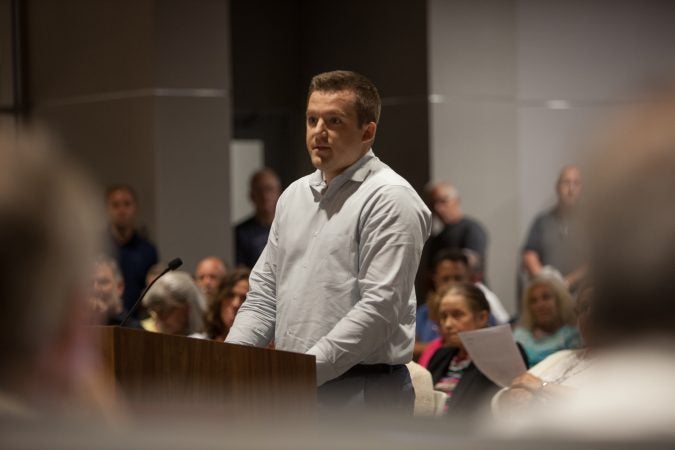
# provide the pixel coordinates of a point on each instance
(569, 186)
(121, 208)
(335, 141)
(443, 203)
(265, 193)
(208, 275)
(106, 289)
(448, 271)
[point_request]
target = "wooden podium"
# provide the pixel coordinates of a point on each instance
(159, 369)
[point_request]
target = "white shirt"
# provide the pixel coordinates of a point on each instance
(624, 394)
(496, 308)
(337, 275)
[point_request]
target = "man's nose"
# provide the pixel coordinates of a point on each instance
(321, 127)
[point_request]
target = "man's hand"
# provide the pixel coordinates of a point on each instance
(521, 393)
(527, 381)
(514, 399)
(531, 263)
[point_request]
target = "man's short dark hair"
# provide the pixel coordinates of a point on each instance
(368, 103)
(260, 175)
(121, 187)
(475, 298)
(450, 254)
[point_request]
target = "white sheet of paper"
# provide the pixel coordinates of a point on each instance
(493, 350)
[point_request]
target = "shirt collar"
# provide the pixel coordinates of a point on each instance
(356, 172)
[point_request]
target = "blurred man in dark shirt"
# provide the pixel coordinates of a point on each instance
(134, 254)
(251, 234)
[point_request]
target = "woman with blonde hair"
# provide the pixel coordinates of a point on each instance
(547, 320)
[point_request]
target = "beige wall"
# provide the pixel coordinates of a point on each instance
(494, 67)
(139, 92)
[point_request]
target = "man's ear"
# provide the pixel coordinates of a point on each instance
(369, 132)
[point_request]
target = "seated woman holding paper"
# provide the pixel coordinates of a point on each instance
(547, 320)
(462, 307)
(554, 376)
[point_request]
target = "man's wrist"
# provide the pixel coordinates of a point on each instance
(536, 391)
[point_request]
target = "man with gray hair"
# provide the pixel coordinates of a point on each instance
(555, 240)
(209, 275)
(457, 230)
(106, 292)
(107, 286)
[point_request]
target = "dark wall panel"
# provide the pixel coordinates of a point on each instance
(278, 46)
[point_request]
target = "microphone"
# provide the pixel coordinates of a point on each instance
(173, 265)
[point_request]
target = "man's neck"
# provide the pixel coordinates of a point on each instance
(549, 328)
(122, 235)
(564, 211)
(328, 177)
(264, 217)
(454, 218)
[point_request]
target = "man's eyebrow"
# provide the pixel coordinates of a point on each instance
(335, 112)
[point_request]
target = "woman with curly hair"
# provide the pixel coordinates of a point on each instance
(222, 310)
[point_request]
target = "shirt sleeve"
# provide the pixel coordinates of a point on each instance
(534, 237)
(254, 324)
(393, 226)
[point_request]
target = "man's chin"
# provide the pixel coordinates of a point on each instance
(452, 341)
(318, 162)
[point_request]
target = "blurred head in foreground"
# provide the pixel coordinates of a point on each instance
(632, 223)
(49, 228)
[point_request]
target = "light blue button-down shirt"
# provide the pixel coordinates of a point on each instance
(336, 279)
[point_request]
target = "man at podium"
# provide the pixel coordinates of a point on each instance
(336, 277)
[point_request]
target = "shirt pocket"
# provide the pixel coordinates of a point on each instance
(337, 259)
